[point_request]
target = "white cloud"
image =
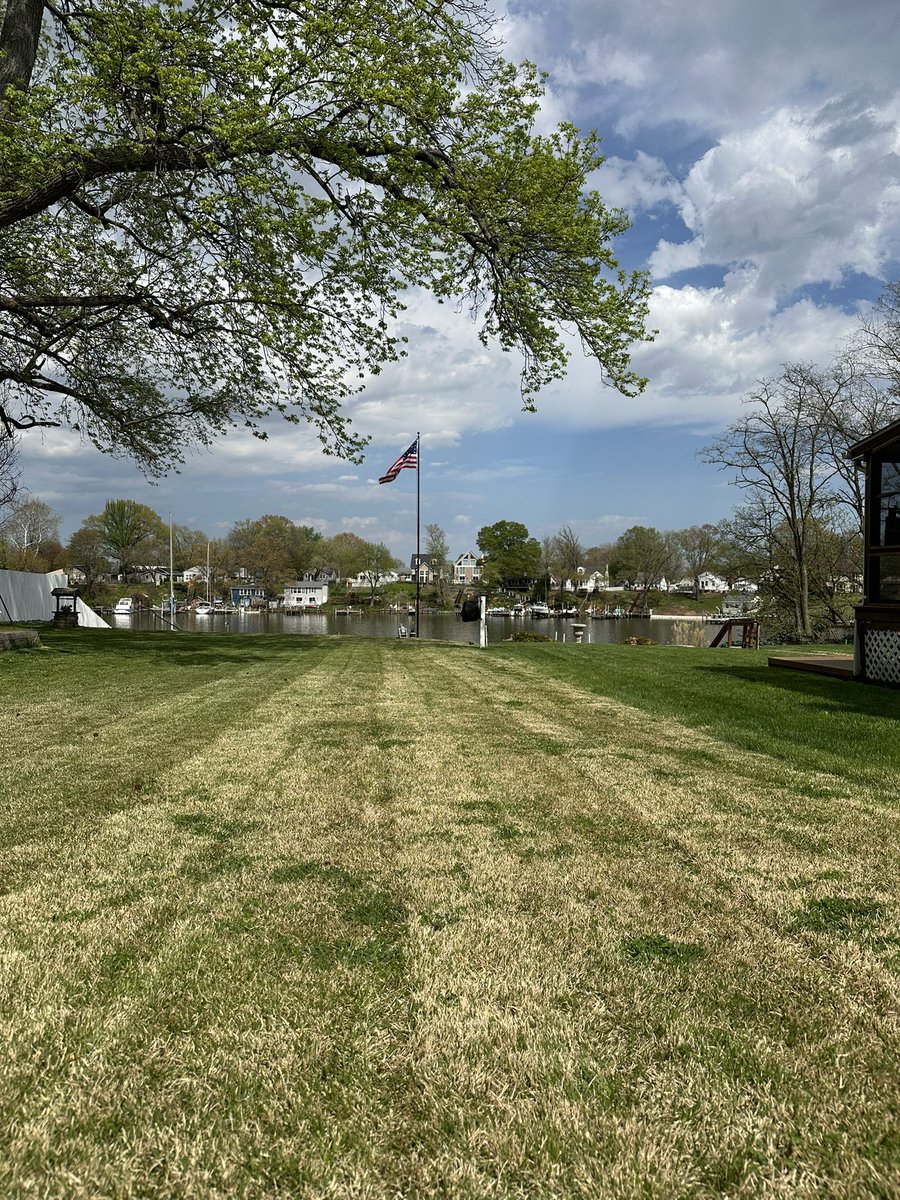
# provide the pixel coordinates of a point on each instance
(713, 344)
(806, 196)
(332, 489)
(447, 385)
(713, 64)
(288, 447)
(359, 522)
(638, 184)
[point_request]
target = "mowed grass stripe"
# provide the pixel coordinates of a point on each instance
(589, 937)
(247, 986)
(795, 719)
(771, 843)
(114, 731)
(428, 923)
(776, 821)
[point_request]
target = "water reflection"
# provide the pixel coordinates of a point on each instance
(445, 627)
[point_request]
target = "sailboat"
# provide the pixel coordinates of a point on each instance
(204, 608)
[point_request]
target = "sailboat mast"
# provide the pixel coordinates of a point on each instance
(171, 571)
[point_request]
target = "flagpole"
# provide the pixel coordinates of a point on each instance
(418, 524)
(171, 575)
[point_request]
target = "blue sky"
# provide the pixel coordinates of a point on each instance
(756, 148)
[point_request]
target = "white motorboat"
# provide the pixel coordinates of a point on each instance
(124, 607)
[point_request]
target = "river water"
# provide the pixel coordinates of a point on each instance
(445, 627)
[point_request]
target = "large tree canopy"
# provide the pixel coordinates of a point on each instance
(647, 556)
(130, 532)
(510, 553)
(211, 211)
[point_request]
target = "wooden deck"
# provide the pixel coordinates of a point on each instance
(839, 665)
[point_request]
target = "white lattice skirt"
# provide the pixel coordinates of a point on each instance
(882, 655)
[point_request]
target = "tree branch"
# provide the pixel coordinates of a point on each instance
(11, 425)
(166, 157)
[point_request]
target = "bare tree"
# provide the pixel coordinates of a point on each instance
(438, 552)
(781, 454)
(549, 564)
(569, 556)
(29, 524)
(699, 547)
(647, 557)
(877, 345)
(849, 403)
(377, 562)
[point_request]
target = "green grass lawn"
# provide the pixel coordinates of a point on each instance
(307, 917)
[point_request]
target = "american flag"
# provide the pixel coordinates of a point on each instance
(409, 458)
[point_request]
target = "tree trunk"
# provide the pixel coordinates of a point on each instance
(19, 39)
(803, 599)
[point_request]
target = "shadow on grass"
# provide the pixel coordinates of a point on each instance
(218, 855)
(182, 649)
(820, 691)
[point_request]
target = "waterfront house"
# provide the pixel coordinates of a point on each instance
(305, 593)
(146, 573)
(708, 584)
(369, 579)
(421, 564)
(247, 595)
(593, 581)
(557, 584)
(467, 568)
